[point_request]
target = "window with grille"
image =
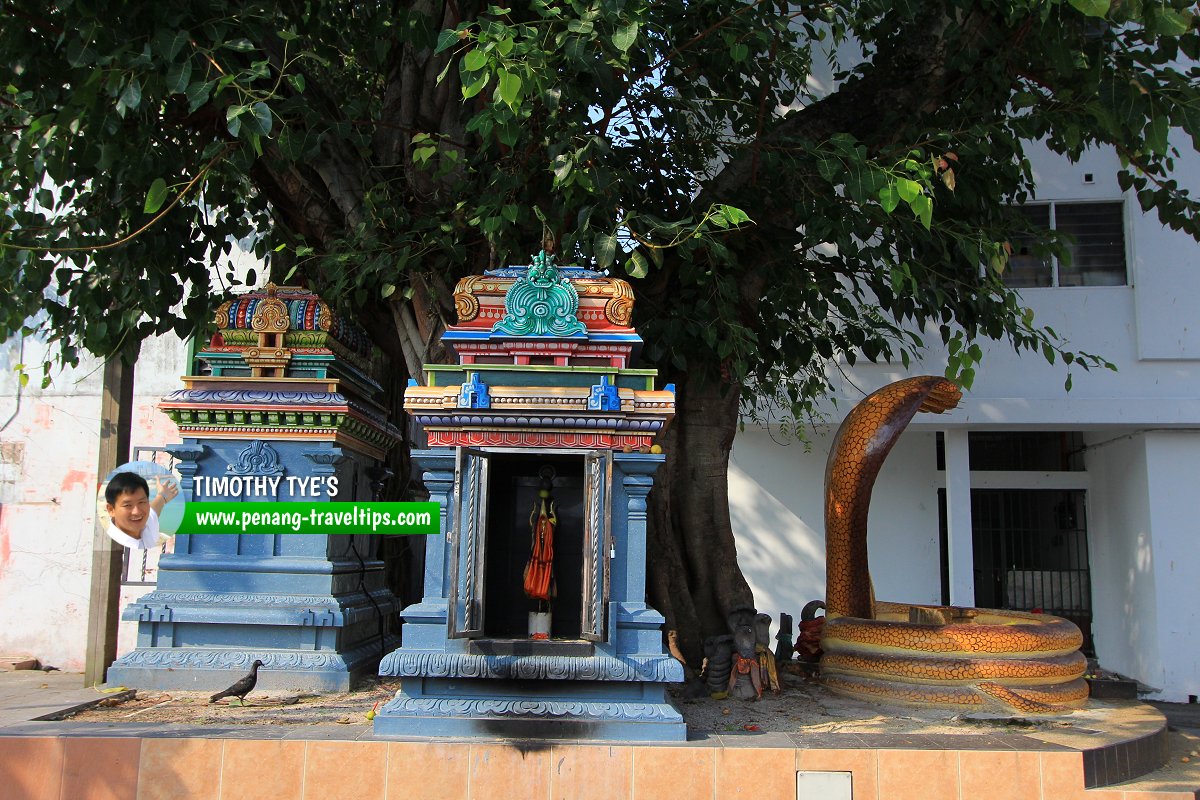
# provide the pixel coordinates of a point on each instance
(1095, 247)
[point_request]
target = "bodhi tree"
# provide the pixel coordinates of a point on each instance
(788, 186)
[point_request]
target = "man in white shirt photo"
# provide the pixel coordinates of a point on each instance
(134, 517)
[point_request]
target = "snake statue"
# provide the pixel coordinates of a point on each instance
(966, 658)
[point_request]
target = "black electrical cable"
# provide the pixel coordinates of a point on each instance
(362, 587)
(362, 576)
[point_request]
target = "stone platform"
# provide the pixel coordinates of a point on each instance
(68, 760)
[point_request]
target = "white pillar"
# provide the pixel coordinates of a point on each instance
(958, 518)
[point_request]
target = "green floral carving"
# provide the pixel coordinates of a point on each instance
(543, 303)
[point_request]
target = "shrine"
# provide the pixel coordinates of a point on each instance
(541, 455)
(289, 393)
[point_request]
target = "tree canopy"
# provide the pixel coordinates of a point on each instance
(787, 185)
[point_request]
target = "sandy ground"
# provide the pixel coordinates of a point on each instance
(801, 707)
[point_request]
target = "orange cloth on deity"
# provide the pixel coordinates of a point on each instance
(538, 572)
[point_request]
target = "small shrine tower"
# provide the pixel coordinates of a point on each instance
(289, 403)
(534, 621)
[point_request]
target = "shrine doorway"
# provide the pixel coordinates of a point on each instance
(497, 492)
(513, 490)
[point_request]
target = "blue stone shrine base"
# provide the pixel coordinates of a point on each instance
(532, 696)
(596, 710)
(311, 607)
(185, 647)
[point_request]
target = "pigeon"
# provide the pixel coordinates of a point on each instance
(242, 688)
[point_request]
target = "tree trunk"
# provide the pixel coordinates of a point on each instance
(694, 577)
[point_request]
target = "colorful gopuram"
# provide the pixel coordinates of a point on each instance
(534, 620)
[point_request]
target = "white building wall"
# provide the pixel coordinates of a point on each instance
(778, 519)
(1124, 604)
(49, 489)
(1173, 463)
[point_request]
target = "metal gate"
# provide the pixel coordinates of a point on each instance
(1031, 553)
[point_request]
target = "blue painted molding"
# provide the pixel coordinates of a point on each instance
(230, 399)
(266, 609)
(255, 397)
(474, 707)
(219, 659)
(299, 565)
(435, 664)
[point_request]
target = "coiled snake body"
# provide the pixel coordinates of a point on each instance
(925, 655)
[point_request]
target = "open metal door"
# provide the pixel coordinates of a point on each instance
(597, 542)
(468, 548)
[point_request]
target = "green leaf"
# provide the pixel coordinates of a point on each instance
(168, 43)
(178, 77)
(388, 290)
(1166, 22)
(259, 119)
(156, 196)
(734, 216)
(922, 206)
(624, 37)
(738, 52)
(863, 182)
(233, 119)
(908, 189)
(508, 134)
(1156, 134)
(475, 60)
(604, 248)
(131, 98)
(287, 36)
(510, 88)
(297, 81)
(474, 87)
(504, 45)
(1091, 8)
(636, 265)
(446, 40)
(562, 168)
(889, 198)
(829, 168)
(198, 94)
